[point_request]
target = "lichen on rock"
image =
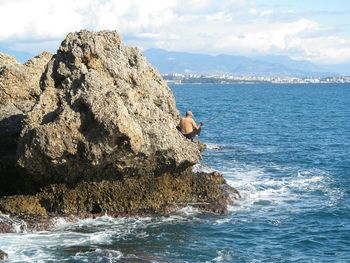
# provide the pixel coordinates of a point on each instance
(144, 195)
(149, 195)
(21, 205)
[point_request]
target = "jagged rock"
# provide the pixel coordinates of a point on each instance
(22, 205)
(104, 113)
(3, 255)
(19, 89)
(19, 84)
(143, 195)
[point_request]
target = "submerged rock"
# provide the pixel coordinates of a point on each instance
(19, 90)
(105, 113)
(3, 255)
(27, 223)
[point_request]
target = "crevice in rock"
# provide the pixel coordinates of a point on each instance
(51, 116)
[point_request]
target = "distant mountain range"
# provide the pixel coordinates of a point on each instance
(182, 62)
(168, 62)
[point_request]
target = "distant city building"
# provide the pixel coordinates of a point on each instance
(178, 78)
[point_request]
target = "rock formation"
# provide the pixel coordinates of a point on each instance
(19, 90)
(99, 136)
(105, 113)
(133, 195)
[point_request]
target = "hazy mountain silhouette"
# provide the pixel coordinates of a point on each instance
(183, 62)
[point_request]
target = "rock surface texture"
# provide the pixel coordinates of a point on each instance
(104, 113)
(145, 195)
(19, 90)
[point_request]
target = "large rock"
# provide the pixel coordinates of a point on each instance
(19, 90)
(99, 136)
(104, 113)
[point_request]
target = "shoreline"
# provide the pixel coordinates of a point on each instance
(255, 83)
(146, 195)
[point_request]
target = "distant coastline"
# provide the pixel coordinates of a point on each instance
(179, 78)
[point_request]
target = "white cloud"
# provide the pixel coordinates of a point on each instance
(328, 49)
(39, 19)
(231, 26)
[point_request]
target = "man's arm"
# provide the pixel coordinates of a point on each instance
(195, 125)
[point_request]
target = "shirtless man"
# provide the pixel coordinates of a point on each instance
(188, 126)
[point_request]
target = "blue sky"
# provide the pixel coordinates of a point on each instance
(318, 31)
(327, 12)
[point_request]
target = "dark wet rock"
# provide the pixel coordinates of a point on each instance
(91, 200)
(6, 224)
(3, 255)
(146, 194)
(132, 196)
(27, 223)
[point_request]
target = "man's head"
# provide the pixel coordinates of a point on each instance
(189, 114)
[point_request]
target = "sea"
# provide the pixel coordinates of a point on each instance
(285, 147)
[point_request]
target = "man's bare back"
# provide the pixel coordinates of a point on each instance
(188, 126)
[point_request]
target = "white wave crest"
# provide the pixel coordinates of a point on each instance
(98, 255)
(259, 187)
(200, 167)
(213, 146)
(18, 226)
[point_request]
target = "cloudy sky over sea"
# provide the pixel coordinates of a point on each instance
(316, 30)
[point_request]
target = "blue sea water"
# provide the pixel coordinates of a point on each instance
(286, 148)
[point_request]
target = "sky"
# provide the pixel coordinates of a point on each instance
(315, 30)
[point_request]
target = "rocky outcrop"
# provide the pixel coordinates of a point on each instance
(130, 196)
(148, 195)
(19, 90)
(99, 136)
(133, 195)
(105, 113)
